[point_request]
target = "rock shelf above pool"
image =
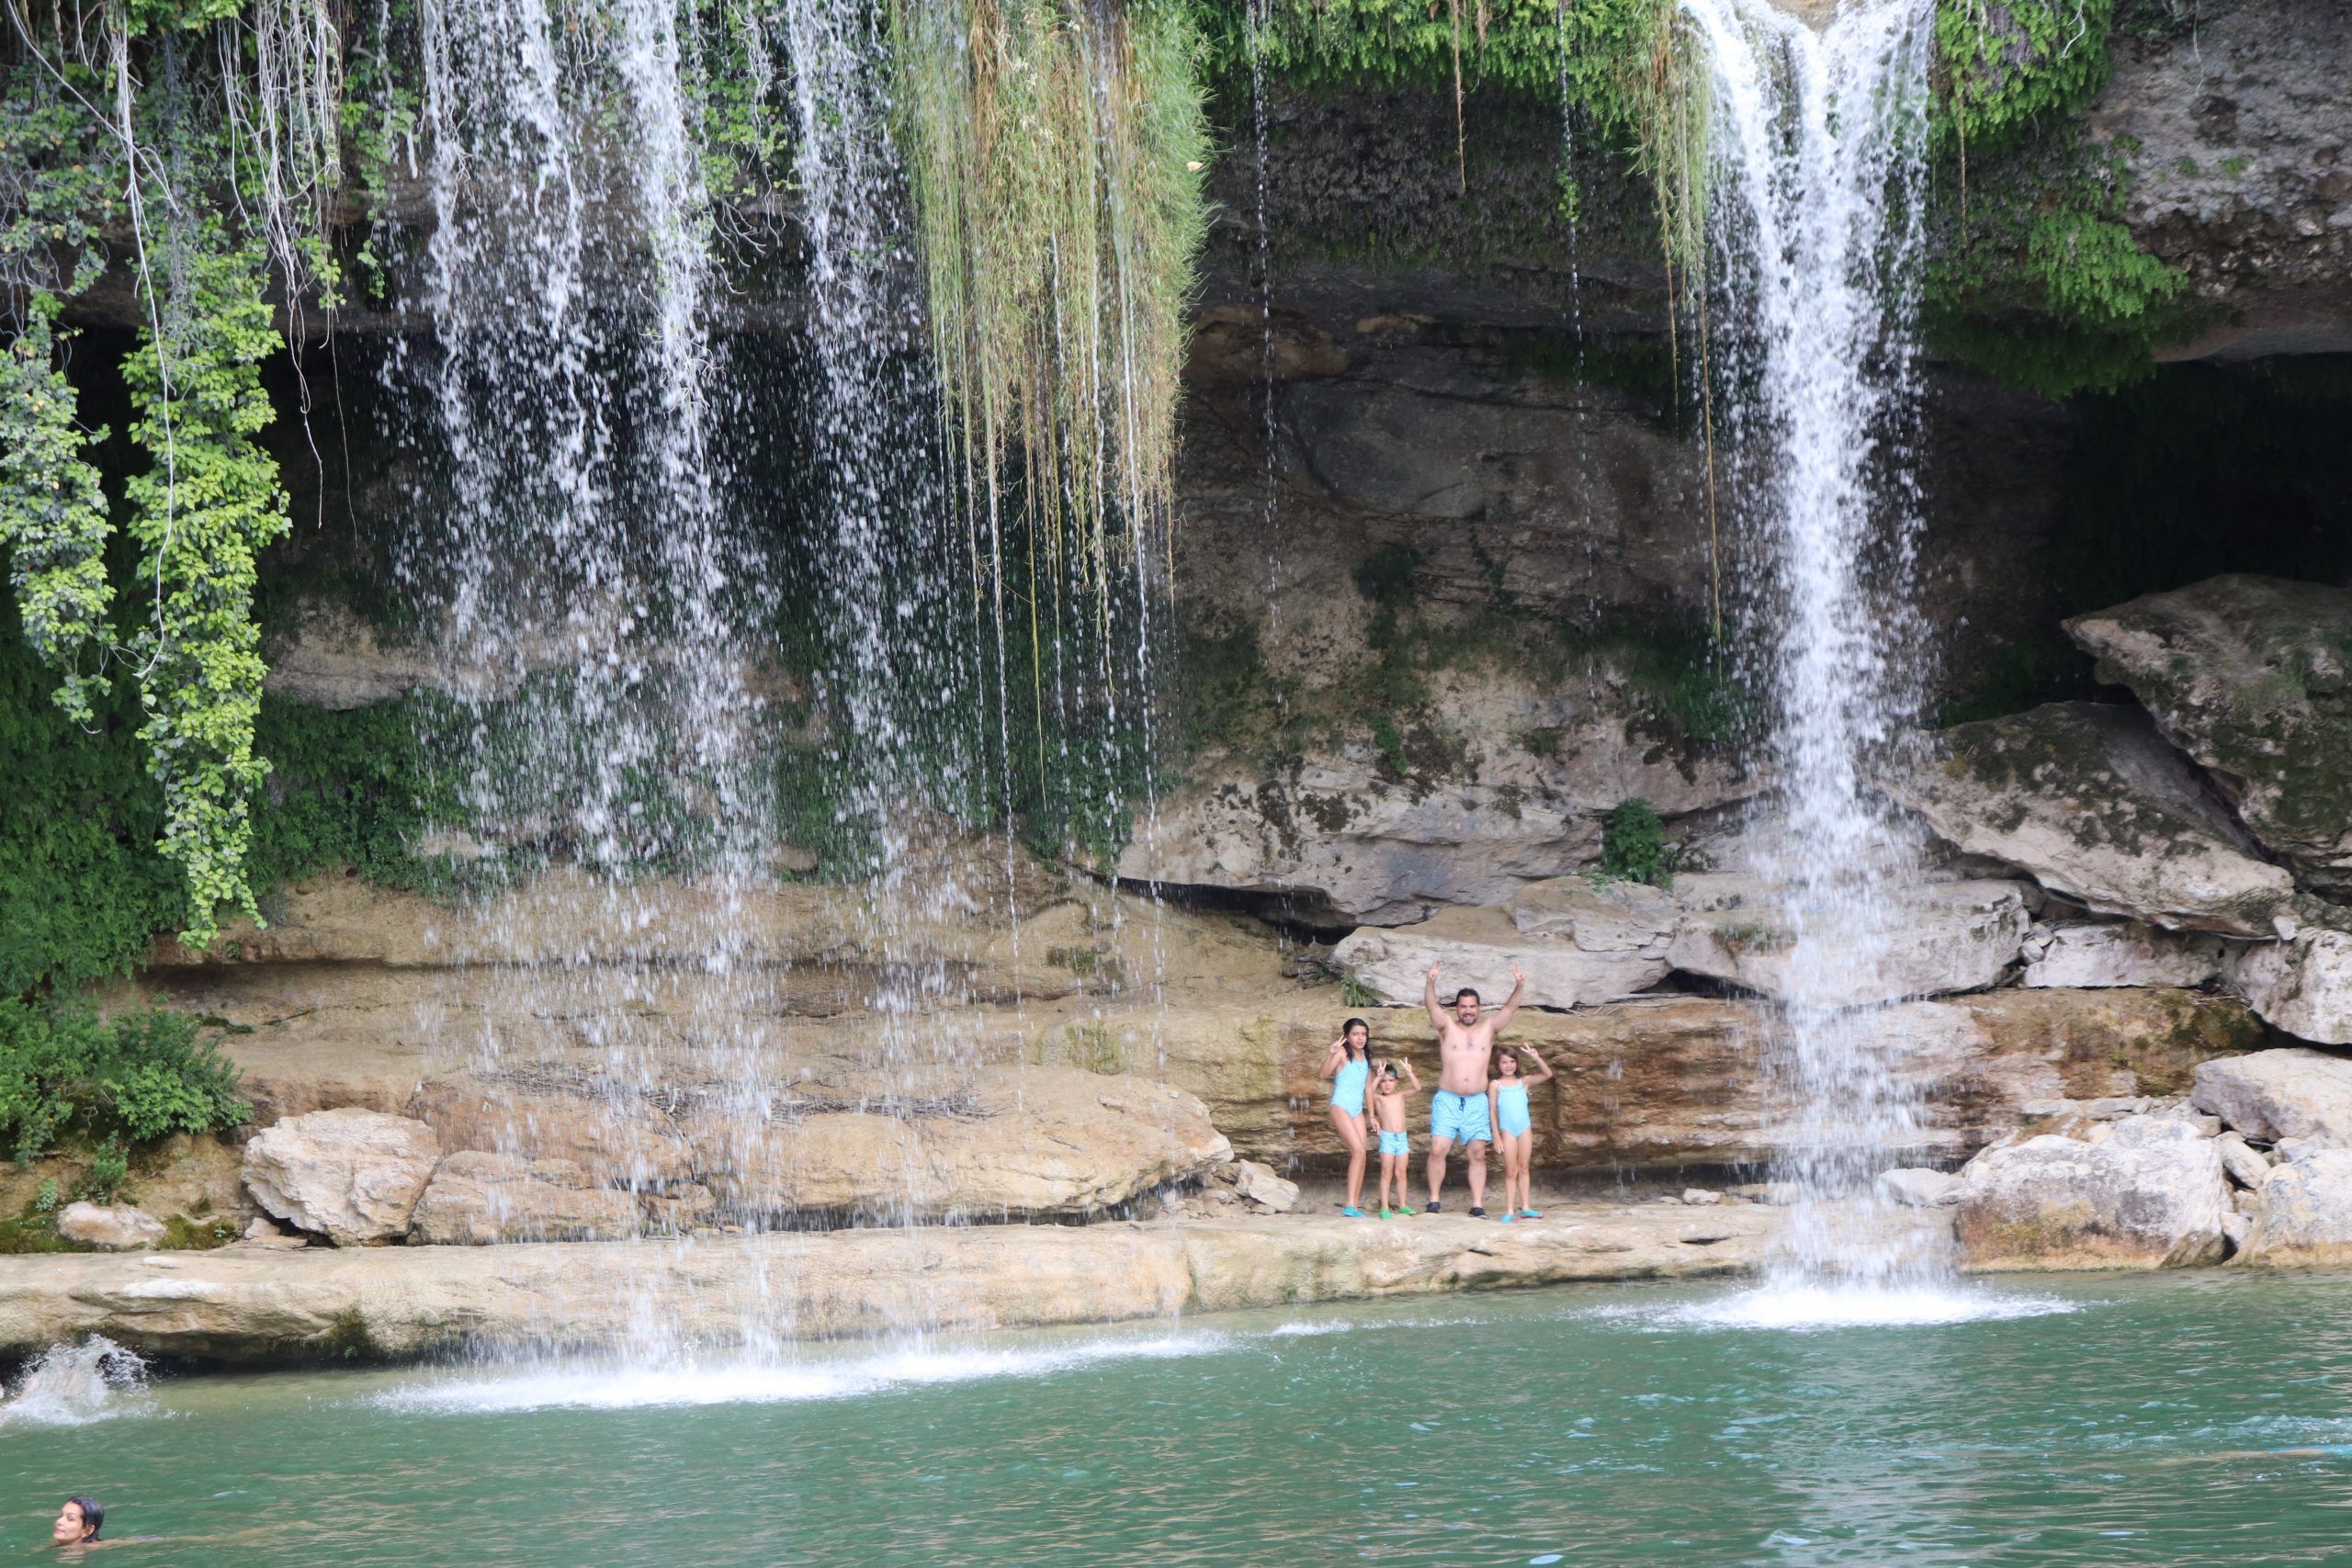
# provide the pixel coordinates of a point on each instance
(255, 1303)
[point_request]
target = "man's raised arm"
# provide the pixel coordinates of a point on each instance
(1429, 1000)
(1504, 1014)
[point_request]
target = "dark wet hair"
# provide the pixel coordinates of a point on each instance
(1350, 1028)
(94, 1516)
(1466, 991)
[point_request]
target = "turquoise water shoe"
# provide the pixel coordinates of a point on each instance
(1352, 1211)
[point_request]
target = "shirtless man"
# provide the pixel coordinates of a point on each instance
(1458, 1112)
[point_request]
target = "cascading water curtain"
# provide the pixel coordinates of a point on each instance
(583, 582)
(1814, 176)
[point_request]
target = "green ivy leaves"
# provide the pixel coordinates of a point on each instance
(200, 515)
(53, 515)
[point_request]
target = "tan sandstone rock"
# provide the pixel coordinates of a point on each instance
(2295, 1091)
(2149, 1195)
(2302, 1216)
(351, 1175)
(476, 1198)
(115, 1227)
(252, 1305)
(1577, 942)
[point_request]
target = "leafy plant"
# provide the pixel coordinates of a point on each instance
(143, 1074)
(45, 1199)
(109, 1168)
(200, 515)
(1633, 847)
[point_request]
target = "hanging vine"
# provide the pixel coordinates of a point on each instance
(200, 515)
(1055, 151)
(53, 515)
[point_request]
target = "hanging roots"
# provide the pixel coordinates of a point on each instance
(1056, 150)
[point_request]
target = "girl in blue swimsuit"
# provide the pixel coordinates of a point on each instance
(1348, 1065)
(1514, 1128)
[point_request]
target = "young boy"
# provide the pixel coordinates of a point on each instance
(1388, 1098)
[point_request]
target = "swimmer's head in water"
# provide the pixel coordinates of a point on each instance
(1465, 1006)
(78, 1522)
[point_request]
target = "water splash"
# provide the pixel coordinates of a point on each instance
(72, 1385)
(1817, 175)
(632, 1387)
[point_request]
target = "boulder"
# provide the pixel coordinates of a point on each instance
(352, 1176)
(2125, 954)
(2149, 1195)
(1579, 943)
(1260, 1184)
(2303, 1217)
(476, 1198)
(111, 1227)
(1942, 937)
(2294, 1091)
(2252, 677)
(1918, 1186)
(2093, 802)
(2245, 1166)
(2303, 986)
(1040, 1141)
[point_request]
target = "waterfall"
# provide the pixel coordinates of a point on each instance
(611, 582)
(1815, 175)
(574, 564)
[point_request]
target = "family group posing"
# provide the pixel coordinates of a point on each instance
(1481, 1099)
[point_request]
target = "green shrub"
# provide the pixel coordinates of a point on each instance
(1633, 846)
(109, 1168)
(143, 1076)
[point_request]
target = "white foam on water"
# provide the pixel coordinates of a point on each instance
(73, 1385)
(579, 1386)
(1807, 1308)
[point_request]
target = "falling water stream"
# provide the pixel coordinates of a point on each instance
(1816, 171)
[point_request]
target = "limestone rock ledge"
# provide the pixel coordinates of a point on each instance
(258, 1305)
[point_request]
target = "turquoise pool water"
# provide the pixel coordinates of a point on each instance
(2088, 1420)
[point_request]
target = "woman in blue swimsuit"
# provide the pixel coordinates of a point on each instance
(1348, 1065)
(1514, 1128)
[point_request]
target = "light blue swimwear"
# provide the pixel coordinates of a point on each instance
(1346, 1086)
(1395, 1144)
(1461, 1117)
(1510, 1108)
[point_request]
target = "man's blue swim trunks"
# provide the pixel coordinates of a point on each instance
(1461, 1117)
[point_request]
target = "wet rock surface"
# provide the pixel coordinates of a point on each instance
(2251, 676)
(476, 1198)
(1945, 937)
(260, 1306)
(2093, 802)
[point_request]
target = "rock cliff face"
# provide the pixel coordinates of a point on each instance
(2233, 132)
